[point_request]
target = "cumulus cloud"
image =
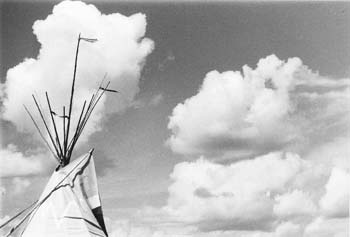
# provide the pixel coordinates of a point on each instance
(295, 203)
(128, 228)
(259, 110)
(277, 106)
(247, 195)
(120, 53)
(321, 227)
(335, 202)
(15, 163)
(335, 153)
(288, 229)
(19, 185)
(274, 195)
(124, 228)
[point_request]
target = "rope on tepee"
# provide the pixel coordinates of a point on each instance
(17, 215)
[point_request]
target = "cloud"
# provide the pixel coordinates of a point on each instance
(120, 53)
(277, 105)
(238, 116)
(295, 203)
(153, 101)
(247, 195)
(128, 228)
(19, 185)
(321, 227)
(156, 100)
(2, 194)
(335, 202)
(333, 154)
(15, 163)
(170, 57)
(288, 229)
(3, 219)
(275, 195)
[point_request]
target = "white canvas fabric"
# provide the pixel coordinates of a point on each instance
(65, 207)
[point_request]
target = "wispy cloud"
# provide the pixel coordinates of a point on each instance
(170, 57)
(153, 101)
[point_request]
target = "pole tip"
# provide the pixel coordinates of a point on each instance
(91, 151)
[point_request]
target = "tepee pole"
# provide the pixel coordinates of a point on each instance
(72, 94)
(41, 135)
(64, 151)
(54, 125)
(47, 128)
(64, 131)
(75, 134)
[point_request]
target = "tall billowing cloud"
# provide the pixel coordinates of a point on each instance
(119, 53)
(260, 110)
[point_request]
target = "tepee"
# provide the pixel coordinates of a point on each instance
(70, 203)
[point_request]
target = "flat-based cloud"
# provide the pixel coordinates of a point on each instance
(274, 195)
(248, 195)
(277, 105)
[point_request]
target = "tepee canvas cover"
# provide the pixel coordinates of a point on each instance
(70, 204)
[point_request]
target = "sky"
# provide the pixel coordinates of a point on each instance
(232, 117)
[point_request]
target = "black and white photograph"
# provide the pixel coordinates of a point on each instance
(188, 118)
